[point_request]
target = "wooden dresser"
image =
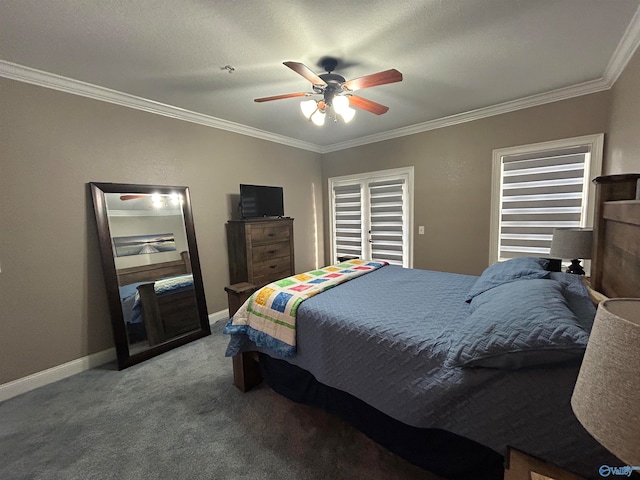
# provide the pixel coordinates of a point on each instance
(260, 250)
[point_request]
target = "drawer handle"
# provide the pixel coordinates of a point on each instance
(271, 234)
(271, 251)
(273, 266)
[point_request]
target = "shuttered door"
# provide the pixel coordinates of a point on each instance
(347, 208)
(371, 216)
(387, 231)
(539, 193)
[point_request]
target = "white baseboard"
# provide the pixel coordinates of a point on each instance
(53, 374)
(221, 315)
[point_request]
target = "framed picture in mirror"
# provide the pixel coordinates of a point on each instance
(151, 268)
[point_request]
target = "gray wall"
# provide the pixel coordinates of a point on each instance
(53, 306)
(52, 302)
(452, 195)
(453, 166)
(623, 142)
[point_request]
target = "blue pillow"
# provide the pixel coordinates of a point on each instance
(518, 325)
(577, 296)
(520, 268)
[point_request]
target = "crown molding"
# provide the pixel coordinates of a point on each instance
(624, 51)
(565, 93)
(64, 84)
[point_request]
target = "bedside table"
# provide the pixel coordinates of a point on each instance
(520, 466)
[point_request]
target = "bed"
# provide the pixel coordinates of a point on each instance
(395, 353)
(158, 301)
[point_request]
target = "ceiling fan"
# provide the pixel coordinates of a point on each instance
(334, 88)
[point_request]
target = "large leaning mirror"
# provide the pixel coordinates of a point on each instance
(151, 268)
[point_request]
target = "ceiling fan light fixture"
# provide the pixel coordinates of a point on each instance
(340, 104)
(156, 200)
(348, 114)
(318, 117)
(176, 199)
(308, 107)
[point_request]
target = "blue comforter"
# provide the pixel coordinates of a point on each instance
(385, 338)
(394, 356)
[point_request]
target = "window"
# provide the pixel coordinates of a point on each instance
(371, 216)
(539, 187)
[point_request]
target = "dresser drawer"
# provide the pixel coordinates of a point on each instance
(271, 270)
(267, 279)
(265, 253)
(260, 251)
(269, 233)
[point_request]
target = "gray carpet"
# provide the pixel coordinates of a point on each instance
(177, 416)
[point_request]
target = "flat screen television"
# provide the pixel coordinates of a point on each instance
(261, 201)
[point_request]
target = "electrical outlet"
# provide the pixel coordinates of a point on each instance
(421, 230)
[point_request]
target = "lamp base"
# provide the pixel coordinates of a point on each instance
(575, 267)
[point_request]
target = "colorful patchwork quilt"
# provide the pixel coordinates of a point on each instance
(268, 318)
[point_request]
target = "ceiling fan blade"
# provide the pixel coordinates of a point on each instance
(280, 97)
(367, 105)
(306, 72)
(373, 80)
(131, 197)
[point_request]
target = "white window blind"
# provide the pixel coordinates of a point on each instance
(387, 230)
(540, 190)
(370, 216)
(348, 237)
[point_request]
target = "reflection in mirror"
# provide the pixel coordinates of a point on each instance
(151, 267)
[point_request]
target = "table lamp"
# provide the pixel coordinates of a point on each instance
(574, 244)
(606, 398)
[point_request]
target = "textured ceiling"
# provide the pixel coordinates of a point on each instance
(456, 56)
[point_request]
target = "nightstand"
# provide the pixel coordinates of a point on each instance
(520, 466)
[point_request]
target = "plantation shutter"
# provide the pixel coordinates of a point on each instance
(387, 230)
(348, 220)
(539, 192)
(371, 216)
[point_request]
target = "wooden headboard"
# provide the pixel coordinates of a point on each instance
(153, 272)
(615, 270)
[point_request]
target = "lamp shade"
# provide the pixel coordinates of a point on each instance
(572, 243)
(348, 114)
(340, 103)
(318, 117)
(308, 107)
(606, 398)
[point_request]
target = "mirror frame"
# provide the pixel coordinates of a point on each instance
(124, 356)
